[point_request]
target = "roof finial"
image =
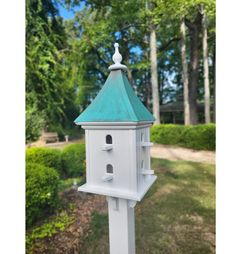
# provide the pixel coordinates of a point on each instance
(117, 58)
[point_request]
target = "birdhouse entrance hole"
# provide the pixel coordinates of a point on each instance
(109, 139)
(109, 169)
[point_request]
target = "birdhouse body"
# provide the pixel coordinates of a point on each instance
(117, 136)
(118, 160)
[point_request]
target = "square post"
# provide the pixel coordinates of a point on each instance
(121, 226)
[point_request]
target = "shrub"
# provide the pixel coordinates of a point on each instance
(200, 137)
(167, 134)
(41, 191)
(45, 156)
(73, 158)
(195, 136)
(35, 120)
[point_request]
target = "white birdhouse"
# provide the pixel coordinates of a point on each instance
(117, 136)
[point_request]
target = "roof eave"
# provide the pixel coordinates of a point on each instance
(137, 123)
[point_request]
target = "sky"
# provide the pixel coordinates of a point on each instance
(69, 14)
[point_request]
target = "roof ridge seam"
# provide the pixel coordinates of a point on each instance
(129, 99)
(136, 98)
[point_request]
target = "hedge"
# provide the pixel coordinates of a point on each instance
(48, 157)
(41, 191)
(199, 137)
(73, 159)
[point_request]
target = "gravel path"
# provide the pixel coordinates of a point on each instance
(180, 153)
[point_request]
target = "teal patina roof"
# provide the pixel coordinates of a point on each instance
(116, 102)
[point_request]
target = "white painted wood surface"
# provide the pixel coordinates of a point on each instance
(129, 156)
(121, 226)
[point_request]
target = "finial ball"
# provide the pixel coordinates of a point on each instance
(116, 44)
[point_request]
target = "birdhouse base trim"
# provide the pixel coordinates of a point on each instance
(119, 194)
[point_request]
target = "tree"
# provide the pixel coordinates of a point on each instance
(154, 74)
(50, 81)
(194, 27)
(100, 23)
(153, 64)
(214, 69)
(190, 12)
(206, 66)
(186, 12)
(195, 21)
(185, 73)
(125, 22)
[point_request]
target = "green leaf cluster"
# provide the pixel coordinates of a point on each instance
(199, 137)
(35, 121)
(73, 159)
(45, 156)
(48, 229)
(50, 70)
(41, 191)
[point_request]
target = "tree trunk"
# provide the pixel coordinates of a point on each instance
(185, 74)
(149, 96)
(148, 85)
(154, 75)
(193, 78)
(194, 28)
(206, 68)
(147, 92)
(214, 64)
(130, 78)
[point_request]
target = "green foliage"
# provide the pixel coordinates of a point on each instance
(73, 158)
(166, 134)
(67, 60)
(200, 137)
(34, 123)
(48, 229)
(50, 70)
(45, 156)
(41, 191)
(69, 182)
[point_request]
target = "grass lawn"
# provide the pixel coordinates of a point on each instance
(177, 216)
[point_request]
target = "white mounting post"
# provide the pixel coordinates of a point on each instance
(121, 226)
